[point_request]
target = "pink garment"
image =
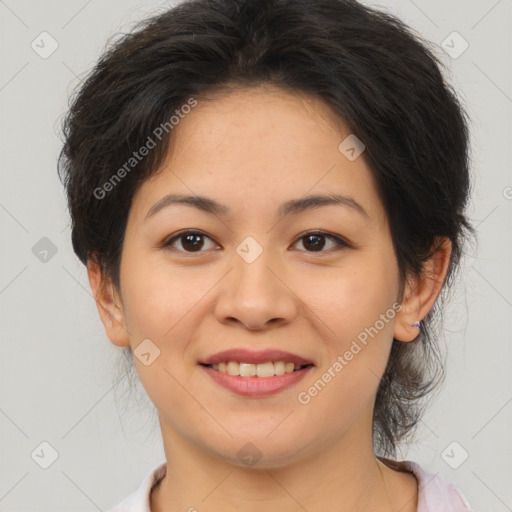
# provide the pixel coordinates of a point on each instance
(434, 493)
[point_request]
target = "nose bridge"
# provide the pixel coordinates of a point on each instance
(252, 275)
(253, 294)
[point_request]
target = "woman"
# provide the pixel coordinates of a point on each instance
(270, 199)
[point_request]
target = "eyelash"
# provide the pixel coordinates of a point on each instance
(340, 243)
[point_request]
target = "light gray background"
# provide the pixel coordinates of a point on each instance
(58, 368)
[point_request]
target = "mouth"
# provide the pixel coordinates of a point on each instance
(256, 374)
(256, 386)
(260, 370)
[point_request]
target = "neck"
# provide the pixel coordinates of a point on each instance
(344, 476)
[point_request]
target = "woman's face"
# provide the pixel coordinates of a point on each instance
(251, 279)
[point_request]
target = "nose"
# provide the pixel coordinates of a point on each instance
(256, 295)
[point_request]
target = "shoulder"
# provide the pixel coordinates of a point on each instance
(434, 493)
(139, 500)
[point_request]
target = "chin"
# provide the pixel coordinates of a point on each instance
(256, 450)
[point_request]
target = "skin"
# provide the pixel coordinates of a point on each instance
(251, 150)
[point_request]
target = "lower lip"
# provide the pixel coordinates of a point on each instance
(256, 386)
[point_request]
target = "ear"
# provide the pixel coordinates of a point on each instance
(109, 305)
(422, 291)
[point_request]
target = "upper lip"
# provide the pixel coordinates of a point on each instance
(242, 355)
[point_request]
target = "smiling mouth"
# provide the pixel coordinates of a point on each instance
(262, 370)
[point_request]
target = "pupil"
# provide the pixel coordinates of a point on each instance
(191, 242)
(315, 241)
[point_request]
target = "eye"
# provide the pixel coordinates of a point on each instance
(194, 241)
(316, 241)
(190, 241)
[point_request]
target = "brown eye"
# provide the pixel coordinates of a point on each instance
(190, 241)
(316, 242)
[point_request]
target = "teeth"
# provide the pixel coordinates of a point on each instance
(247, 370)
(233, 368)
(268, 369)
(279, 367)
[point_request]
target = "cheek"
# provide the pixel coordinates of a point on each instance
(353, 299)
(162, 306)
(358, 307)
(157, 300)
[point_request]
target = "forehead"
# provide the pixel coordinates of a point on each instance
(256, 147)
(258, 115)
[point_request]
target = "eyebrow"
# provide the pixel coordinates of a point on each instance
(293, 206)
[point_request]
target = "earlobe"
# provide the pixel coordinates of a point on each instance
(421, 293)
(406, 327)
(109, 306)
